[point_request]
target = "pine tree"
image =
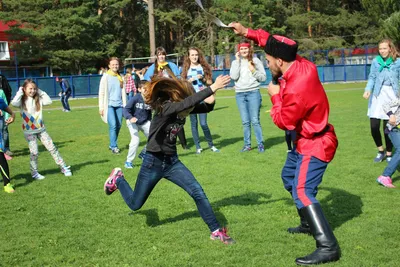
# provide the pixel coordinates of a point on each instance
(65, 34)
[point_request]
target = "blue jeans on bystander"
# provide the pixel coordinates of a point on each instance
(114, 120)
(204, 126)
(249, 104)
(394, 136)
(64, 101)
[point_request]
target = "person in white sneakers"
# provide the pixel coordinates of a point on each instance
(31, 100)
(198, 72)
(138, 117)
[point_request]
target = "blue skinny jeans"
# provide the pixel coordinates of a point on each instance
(156, 166)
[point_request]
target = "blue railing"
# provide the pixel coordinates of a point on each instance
(84, 85)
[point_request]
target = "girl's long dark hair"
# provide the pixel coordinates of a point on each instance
(202, 61)
(161, 89)
(25, 96)
(159, 50)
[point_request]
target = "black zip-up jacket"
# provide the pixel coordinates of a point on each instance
(165, 125)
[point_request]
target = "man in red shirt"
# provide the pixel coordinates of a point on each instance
(300, 104)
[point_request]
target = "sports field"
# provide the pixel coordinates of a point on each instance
(69, 221)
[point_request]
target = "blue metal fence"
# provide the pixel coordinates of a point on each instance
(85, 85)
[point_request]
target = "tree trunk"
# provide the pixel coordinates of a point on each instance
(227, 55)
(211, 44)
(152, 36)
(308, 11)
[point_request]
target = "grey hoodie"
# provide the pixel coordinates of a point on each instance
(244, 79)
(392, 108)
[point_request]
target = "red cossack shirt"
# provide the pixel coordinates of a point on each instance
(302, 105)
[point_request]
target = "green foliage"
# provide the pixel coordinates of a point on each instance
(65, 34)
(85, 31)
(391, 27)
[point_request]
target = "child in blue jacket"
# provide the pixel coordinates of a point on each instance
(138, 117)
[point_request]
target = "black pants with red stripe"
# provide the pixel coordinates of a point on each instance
(301, 176)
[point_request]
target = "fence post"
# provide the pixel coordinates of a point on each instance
(89, 82)
(72, 86)
(343, 62)
(55, 86)
(365, 72)
(16, 64)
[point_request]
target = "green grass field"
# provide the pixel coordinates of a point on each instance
(70, 221)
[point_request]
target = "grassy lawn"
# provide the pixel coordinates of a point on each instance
(70, 221)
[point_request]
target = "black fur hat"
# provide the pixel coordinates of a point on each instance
(281, 47)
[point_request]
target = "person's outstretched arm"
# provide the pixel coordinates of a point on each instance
(176, 107)
(259, 36)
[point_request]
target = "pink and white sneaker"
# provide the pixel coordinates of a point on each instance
(111, 183)
(385, 181)
(221, 235)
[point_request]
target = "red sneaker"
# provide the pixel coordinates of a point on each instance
(111, 183)
(222, 236)
(385, 181)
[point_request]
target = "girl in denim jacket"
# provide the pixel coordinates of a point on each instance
(382, 87)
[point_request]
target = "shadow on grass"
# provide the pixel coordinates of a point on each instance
(339, 206)
(248, 199)
(270, 142)
(397, 178)
(228, 141)
(41, 148)
(28, 178)
(219, 144)
(218, 108)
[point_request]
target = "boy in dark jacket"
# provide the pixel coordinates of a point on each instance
(138, 117)
(65, 93)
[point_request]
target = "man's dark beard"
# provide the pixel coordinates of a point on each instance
(275, 77)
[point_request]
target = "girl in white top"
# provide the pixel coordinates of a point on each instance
(31, 100)
(382, 87)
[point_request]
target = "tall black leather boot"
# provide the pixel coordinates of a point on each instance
(327, 245)
(303, 228)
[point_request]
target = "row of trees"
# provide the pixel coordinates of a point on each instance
(76, 35)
